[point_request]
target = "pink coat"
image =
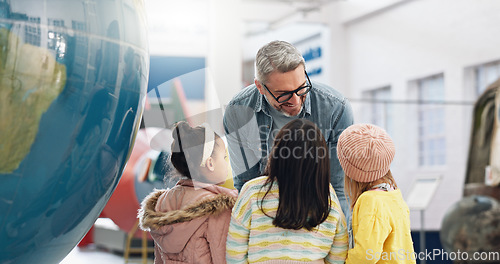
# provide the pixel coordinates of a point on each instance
(188, 224)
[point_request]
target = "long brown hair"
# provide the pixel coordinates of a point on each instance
(354, 188)
(303, 176)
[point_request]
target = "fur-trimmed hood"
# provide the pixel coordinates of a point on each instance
(188, 221)
(149, 219)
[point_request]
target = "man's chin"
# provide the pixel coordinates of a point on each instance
(292, 113)
(288, 114)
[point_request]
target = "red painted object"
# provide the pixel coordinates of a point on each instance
(87, 239)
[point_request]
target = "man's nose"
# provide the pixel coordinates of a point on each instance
(295, 99)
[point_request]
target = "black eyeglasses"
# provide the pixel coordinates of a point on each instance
(302, 90)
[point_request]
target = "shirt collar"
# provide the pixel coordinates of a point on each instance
(307, 102)
(258, 105)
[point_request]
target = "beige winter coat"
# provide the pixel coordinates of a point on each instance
(188, 224)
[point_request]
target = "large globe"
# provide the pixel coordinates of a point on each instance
(73, 77)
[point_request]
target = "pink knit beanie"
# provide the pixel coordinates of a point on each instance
(365, 152)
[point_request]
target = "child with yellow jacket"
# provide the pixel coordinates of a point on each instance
(380, 216)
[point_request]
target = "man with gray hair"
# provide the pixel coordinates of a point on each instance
(282, 92)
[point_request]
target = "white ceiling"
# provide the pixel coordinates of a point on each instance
(181, 27)
(262, 15)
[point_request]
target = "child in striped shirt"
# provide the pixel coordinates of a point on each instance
(380, 216)
(292, 215)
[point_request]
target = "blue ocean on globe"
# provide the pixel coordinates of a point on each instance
(73, 80)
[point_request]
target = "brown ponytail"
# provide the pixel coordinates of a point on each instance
(187, 148)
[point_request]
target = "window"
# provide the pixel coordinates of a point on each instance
(380, 109)
(485, 75)
(32, 32)
(55, 22)
(431, 122)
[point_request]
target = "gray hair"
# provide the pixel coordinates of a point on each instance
(278, 56)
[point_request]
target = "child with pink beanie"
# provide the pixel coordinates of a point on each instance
(380, 216)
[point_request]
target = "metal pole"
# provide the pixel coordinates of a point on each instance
(422, 236)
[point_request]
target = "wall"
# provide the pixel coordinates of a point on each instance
(194, 29)
(414, 40)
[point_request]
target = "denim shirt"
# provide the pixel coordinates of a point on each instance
(248, 123)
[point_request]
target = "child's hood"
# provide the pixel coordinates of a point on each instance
(177, 226)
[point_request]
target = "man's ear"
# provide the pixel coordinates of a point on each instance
(209, 164)
(259, 86)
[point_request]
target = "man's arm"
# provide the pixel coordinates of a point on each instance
(242, 134)
(337, 173)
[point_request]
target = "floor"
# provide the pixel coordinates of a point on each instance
(94, 255)
(104, 247)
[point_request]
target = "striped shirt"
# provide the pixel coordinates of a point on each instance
(252, 237)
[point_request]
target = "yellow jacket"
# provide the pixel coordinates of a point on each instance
(381, 229)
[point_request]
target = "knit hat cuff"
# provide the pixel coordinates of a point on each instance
(360, 175)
